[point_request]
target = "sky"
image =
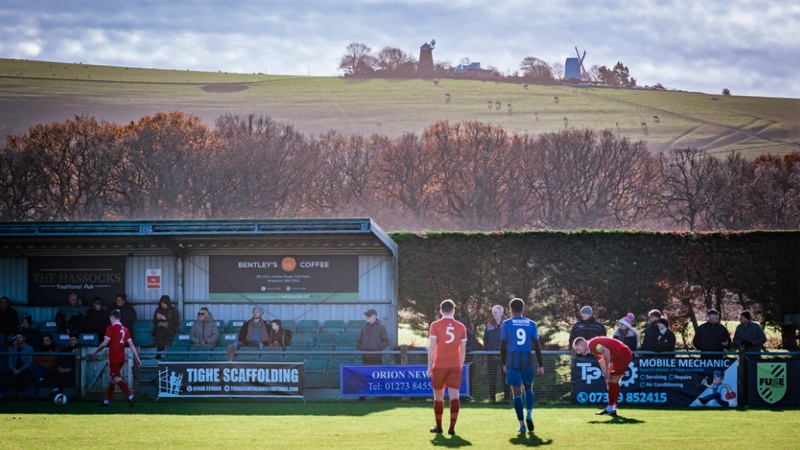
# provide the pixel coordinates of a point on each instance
(750, 47)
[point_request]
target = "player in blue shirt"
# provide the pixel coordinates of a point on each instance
(518, 335)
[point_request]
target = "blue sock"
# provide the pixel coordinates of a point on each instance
(518, 406)
(529, 401)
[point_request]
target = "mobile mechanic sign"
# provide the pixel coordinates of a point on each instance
(665, 381)
(283, 278)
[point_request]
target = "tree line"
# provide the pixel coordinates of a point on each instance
(454, 176)
(359, 60)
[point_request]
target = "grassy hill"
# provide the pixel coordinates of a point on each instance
(34, 92)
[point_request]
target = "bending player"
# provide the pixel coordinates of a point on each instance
(614, 357)
(116, 338)
(517, 336)
(445, 358)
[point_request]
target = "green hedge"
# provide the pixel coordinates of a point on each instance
(615, 272)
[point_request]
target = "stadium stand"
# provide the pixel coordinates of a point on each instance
(88, 340)
(328, 339)
(354, 326)
(333, 326)
(304, 338)
(315, 372)
(308, 326)
(234, 326)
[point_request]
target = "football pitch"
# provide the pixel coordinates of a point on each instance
(382, 424)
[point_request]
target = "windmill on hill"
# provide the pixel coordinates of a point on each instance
(573, 68)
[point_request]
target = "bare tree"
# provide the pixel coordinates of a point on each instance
(558, 70)
(357, 60)
(687, 176)
(392, 59)
(536, 69)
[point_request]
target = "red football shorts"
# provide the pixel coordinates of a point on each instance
(115, 369)
(620, 365)
(446, 377)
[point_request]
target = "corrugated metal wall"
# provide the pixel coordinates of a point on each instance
(14, 279)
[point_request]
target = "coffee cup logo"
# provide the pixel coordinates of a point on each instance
(288, 264)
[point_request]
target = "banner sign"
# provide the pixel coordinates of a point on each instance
(392, 381)
(283, 278)
(773, 383)
(52, 279)
(153, 279)
(661, 381)
(230, 379)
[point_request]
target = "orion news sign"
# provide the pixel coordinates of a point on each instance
(283, 278)
(662, 381)
(392, 381)
(230, 379)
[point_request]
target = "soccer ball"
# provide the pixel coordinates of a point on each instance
(60, 400)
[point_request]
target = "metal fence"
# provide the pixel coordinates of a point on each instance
(88, 379)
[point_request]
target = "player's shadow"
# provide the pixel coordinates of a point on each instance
(441, 440)
(617, 420)
(529, 440)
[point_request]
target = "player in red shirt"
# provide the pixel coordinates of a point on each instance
(614, 357)
(116, 339)
(445, 358)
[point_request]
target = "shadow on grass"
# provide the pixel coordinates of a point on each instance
(617, 420)
(442, 440)
(529, 440)
(184, 407)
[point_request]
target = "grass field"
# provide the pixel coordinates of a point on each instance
(381, 425)
(39, 92)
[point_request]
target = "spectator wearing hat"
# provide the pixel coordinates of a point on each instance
(651, 331)
(165, 323)
(373, 338)
(254, 333)
(665, 340)
(749, 336)
(712, 336)
(588, 327)
(626, 333)
(97, 319)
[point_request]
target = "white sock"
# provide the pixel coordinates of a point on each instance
(130, 397)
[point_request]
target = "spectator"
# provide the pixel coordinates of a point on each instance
(65, 369)
(665, 340)
(626, 333)
(491, 342)
(32, 335)
(204, 332)
(712, 336)
(279, 336)
(9, 321)
(749, 336)
(254, 333)
(373, 338)
(44, 365)
(165, 323)
(20, 363)
(651, 331)
(97, 318)
(588, 327)
(127, 311)
(71, 316)
(472, 345)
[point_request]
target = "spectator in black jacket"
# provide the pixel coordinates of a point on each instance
(373, 338)
(165, 323)
(65, 369)
(126, 310)
(651, 331)
(9, 322)
(97, 319)
(491, 342)
(712, 336)
(279, 336)
(588, 327)
(665, 340)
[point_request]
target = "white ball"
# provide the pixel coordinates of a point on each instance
(60, 400)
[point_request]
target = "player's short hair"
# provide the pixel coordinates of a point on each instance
(448, 306)
(115, 314)
(578, 340)
(654, 313)
(516, 305)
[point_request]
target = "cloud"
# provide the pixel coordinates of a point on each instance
(745, 45)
